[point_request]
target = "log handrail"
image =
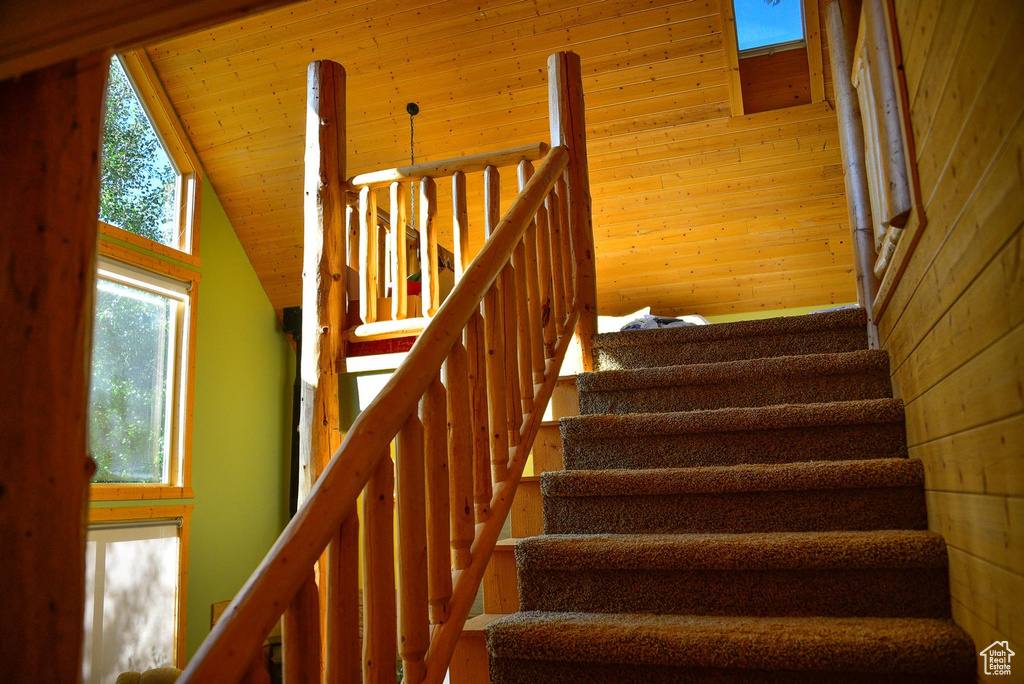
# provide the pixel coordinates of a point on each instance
(460, 415)
(252, 614)
(446, 167)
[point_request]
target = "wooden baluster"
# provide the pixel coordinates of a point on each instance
(460, 224)
(536, 331)
(380, 639)
(558, 256)
(569, 257)
(476, 350)
(301, 635)
(399, 254)
(341, 662)
(433, 415)
(412, 551)
(352, 214)
(494, 332)
(513, 407)
(367, 255)
(523, 331)
(460, 454)
(428, 246)
(547, 318)
(494, 337)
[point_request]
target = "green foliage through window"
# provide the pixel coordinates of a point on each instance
(137, 178)
(131, 393)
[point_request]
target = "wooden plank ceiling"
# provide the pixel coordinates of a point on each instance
(694, 211)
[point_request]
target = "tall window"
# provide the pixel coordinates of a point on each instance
(143, 334)
(134, 591)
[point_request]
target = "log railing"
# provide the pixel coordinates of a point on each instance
(460, 416)
(382, 257)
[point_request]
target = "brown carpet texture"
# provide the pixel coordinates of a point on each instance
(737, 505)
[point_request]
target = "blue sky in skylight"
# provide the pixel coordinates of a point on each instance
(760, 23)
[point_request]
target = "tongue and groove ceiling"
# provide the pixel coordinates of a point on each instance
(694, 210)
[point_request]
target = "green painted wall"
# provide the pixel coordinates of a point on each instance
(241, 425)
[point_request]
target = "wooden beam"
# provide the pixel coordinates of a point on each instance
(38, 33)
(50, 124)
(568, 127)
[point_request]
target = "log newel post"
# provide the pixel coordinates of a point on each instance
(568, 128)
(841, 24)
(50, 135)
(323, 297)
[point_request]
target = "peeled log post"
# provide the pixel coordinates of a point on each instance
(52, 123)
(380, 638)
(428, 246)
(460, 455)
(399, 256)
(412, 551)
(476, 352)
(460, 224)
(547, 319)
(342, 658)
(841, 26)
(568, 127)
(367, 255)
(557, 258)
(433, 415)
(533, 316)
(300, 636)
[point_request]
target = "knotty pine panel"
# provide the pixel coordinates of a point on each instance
(953, 324)
(672, 173)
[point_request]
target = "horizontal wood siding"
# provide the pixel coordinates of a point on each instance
(954, 327)
(694, 211)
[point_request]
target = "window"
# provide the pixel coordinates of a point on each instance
(134, 591)
(773, 51)
(144, 329)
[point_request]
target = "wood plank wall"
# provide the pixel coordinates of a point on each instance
(693, 210)
(954, 325)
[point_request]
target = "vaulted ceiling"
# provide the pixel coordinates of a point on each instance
(694, 210)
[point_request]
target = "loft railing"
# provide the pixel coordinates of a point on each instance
(460, 415)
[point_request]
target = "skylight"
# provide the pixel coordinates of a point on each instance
(762, 23)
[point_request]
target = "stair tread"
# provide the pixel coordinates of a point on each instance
(783, 325)
(861, 411)
(478, 623)
(843, 363)
(730, 551)
(882, 472)
(905, 645)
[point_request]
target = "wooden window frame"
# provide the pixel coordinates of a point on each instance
(143, 254)
(812, 41)
(143, 513)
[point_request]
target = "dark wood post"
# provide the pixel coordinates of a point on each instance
(49, 189)
(568, 128)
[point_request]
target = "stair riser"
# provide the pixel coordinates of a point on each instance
(789, 445)
(771, 511)
(913, 592)
(751, 391)
(730, 349)
(511, 671)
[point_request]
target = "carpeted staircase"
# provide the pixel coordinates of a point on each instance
(737, 505)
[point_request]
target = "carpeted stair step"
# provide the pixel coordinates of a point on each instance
(574, 648)
(823, 333)
(846, 430)
(876, 494)
(890, 573)
(814, 378)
